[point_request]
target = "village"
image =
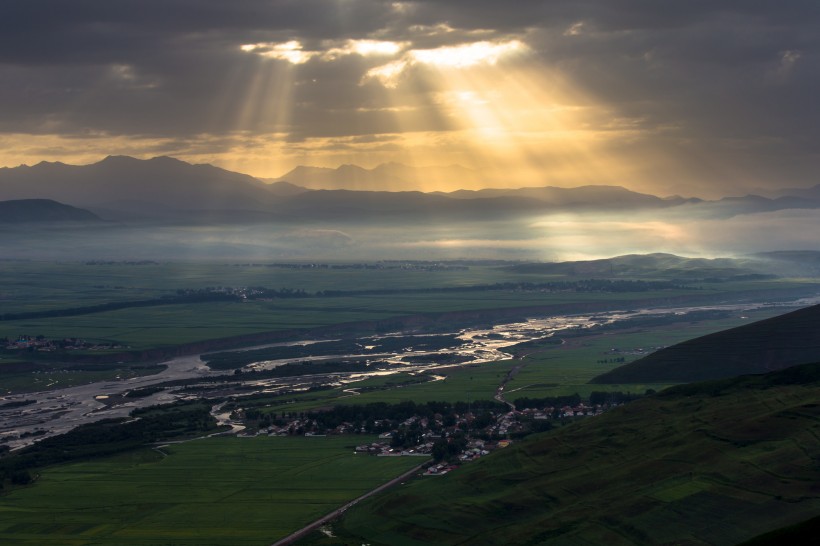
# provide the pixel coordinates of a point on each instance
(450, 435)
(43, 344)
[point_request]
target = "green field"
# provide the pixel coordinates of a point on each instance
(40, 286)
(220, 491)
(147, 327)
(36, 287)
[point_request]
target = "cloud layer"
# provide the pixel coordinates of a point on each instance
(696, 97)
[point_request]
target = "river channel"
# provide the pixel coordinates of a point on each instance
(60, 410)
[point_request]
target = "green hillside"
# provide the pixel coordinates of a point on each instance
(759, 347)
(714, 463)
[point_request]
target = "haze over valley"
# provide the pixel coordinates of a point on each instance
(345, 272)
(162, 207)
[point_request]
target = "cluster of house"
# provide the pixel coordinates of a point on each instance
(305, 427)
(41, 343)
(635, 351)
(511, 422)
(462, 437)
(383, 448)
(503, 425)
(474, 450)
(580, 410)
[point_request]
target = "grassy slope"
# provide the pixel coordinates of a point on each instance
(714, 464)
(759, 347)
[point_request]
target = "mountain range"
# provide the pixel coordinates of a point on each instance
(385, 177)
(165, 189)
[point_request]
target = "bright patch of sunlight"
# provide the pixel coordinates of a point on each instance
(291, 51)
(367, 48)
(294, 51)
(457, 57)
(465, 55)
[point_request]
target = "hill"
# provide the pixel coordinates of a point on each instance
(794, 263)
(799, 263)
(763, 346)
(600, 197)
(21, 211)
(151, 187)
(715, 463)
(657, 265)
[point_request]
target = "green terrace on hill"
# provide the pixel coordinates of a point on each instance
(713, 463)
(793, 338)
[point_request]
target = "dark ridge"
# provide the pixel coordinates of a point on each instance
(760, 347)
(21, 211)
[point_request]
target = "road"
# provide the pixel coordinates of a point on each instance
(499, 393)
(290, 539)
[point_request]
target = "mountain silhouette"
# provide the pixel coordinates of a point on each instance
(21, 211)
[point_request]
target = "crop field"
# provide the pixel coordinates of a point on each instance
(30, 286)
(36, 286)
(145, 327)
(33, 286)
(216, 491)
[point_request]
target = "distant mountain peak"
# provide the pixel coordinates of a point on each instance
(391, 176)
(117, 159)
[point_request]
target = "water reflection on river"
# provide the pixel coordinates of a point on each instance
(60, 410)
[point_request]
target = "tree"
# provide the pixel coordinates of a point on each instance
(21, 477)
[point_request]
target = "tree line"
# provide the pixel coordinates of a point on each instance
(107, 437)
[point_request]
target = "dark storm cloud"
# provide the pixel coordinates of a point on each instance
(738, 75)
(156, 67)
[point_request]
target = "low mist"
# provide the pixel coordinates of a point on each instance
(557, 237)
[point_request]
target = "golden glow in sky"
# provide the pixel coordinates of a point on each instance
(703, 99)
(481, 104)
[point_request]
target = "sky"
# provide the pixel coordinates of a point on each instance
(698, 98)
